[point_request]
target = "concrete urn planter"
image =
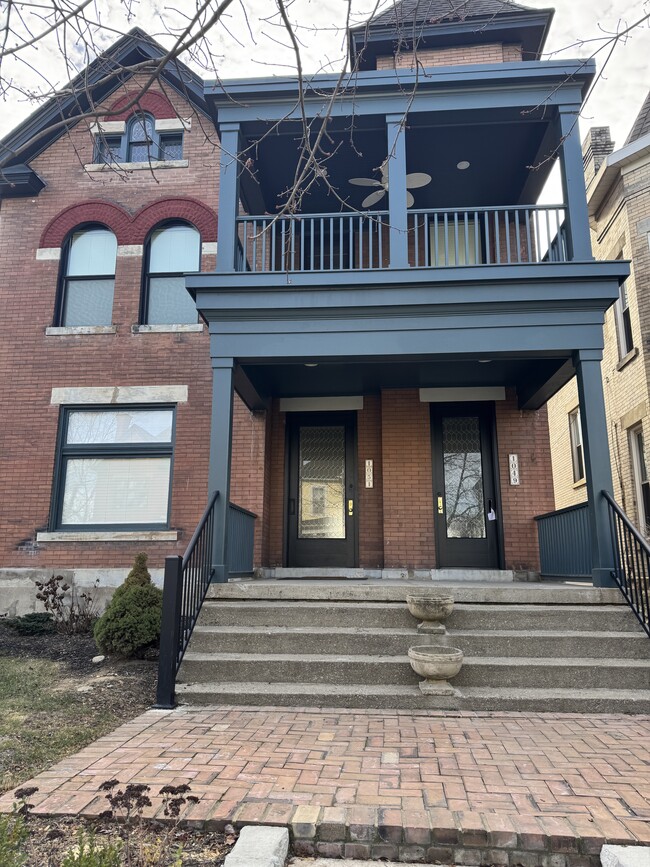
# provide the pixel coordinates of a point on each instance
(431, 608)
(436, 663)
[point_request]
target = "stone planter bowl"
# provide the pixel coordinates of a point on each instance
(430, 606)
(435, 661)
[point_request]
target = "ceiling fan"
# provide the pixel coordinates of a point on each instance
(413, 181)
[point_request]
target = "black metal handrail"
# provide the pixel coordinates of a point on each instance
(187, 580)
(631, 562)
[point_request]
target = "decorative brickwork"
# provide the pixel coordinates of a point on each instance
(131, 229)
(155, 103)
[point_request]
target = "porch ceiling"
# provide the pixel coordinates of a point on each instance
(499, 146)
(534, 378)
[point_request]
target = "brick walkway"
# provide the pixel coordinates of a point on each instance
(472, 788)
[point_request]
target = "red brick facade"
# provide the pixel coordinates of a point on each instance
(395, 516)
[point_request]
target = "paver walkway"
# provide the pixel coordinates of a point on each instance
(492, 788)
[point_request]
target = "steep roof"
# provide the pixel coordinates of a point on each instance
(91, 87)
(434, 11)
(641, 125)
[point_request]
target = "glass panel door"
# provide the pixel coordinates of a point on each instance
(463, 470)
(321, 491)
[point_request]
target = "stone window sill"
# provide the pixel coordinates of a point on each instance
(167, 329)
(579, 484)
(66, 330)
(632, 354)
(109, 536)
(136, 167)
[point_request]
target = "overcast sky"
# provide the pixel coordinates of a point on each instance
(615, 102)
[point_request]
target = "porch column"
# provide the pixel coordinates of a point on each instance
(220, 458)
(397, 210)
(229, 171)
(598, 471)
(573, 184)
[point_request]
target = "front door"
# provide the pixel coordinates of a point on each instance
(321, 502)
(466, 512)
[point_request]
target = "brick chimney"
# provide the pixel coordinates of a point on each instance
(597, 145)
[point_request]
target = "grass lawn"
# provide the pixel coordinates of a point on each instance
(54, 701)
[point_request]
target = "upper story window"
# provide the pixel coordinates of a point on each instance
(172, 250)
(88, 278)
(623, 319)
(139, 143)
(577, 449)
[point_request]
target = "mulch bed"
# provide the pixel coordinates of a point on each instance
(50, 839)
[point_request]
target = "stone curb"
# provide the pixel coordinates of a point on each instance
(437, 835)
(259, 846)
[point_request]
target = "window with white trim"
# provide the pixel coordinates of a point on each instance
(140, 143)
(87, 279)
(640, 476)
(623, 319)
(172, 250)
(114, 468)
(577, 450)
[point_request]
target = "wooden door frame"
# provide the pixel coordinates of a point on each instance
(304, 417)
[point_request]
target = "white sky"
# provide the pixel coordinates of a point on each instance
(615, 102)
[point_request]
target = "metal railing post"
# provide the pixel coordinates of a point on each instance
(169, 633)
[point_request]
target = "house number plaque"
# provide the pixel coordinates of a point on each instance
(513, 464)
(369, 475)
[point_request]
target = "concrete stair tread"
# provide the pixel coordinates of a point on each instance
(263, 687)
(305, 630)
(396, 591)
(194, 656)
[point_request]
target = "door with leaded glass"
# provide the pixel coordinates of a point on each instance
(466, 511)
(321, 501)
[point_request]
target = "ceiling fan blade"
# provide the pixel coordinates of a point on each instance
(364, 182)
(373, 198)
(410, 201)
(417, 179)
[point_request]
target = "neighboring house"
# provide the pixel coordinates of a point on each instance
(369, 380)
(618, 192)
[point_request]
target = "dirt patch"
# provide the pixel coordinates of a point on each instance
(54, 700)
(50, 839)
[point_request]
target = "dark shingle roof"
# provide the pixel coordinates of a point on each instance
(437, 11)
(641, 125)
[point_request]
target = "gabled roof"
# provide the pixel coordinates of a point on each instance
(434, 11)
(641, 125)
(91, 87)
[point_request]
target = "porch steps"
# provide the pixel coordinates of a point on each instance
(532, 648)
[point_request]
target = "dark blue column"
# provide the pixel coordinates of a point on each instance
(229, 171)
(397, 211)
(573, 184)
(220, 459)
(598, 472)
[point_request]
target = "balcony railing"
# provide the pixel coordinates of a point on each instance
(435, 239)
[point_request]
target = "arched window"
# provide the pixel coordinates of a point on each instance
(140, 139)
(88, 278)
(172, 250)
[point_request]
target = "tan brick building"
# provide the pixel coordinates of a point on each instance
(618, 192)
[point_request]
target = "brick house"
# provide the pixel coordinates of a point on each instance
(619, 212)
(369, 380)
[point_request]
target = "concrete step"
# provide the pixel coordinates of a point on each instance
(396, 591)
(577, 673)
(409, 697)
(379, 615)
(369, 641)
